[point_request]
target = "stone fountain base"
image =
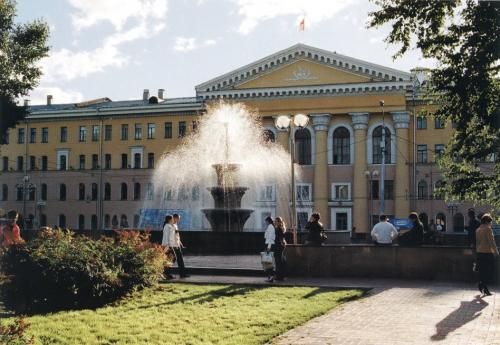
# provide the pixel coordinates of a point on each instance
(227, 220)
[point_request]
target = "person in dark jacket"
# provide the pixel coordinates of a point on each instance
(472, 227)
(316, 231)
(279, 247)
(415, 236)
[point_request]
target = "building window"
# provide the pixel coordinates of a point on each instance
(341, 146)
(151, 160)
(107, 221)
(124, 132)
(45, 163)
(168, 130)
(303, 192)
(31, 193)
(422, 190)
(95, 132)
(137, 160)
(32, 163)
(93, 222)
(438, 151)
(20, 136)
(303, 146)
(421, 122)
(81, 191)
(82, 134)
(438, 123)
(43, 219)
(195, 193)
(81, 164)
(341, 191)
(43, 193)
(388, 190)
(5, 163)
(62, 221)
(137, 191)
(268, 136)
(45, 135)
(438, 193)
(302, 219)
(267, 193)
(62, 192)
(149, 191)
(107, 191)
(63, 135)
(183, 194)
(421, 153)
(124, 161)
(108, 132)
(182, 129)
(20, 163)
(95, 161)
(20, 193)
(138, 131)
(94, 192)
(151, 130)
(377, 150)
(32, 135)
(341, 221)
(123, 191)
(107, 161)
(62, 160)
(5, 192)
(81, 222)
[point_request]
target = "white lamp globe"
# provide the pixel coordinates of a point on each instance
(282, 122)
(300, 120)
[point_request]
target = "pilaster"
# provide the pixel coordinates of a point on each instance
(401, 121)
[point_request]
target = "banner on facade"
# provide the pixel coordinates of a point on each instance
(152, 218)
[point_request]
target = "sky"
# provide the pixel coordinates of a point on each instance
(118, 48)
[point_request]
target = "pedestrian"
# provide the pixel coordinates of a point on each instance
(383, 233)
(178, 248)
(270, 240)
(486, 250)
(168, 240)
(472, 227)
(415, 236)
(279, 248)
(316, 232)
(10, 233)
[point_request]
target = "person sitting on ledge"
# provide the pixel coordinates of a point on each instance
(414, 237)
(383, 232)
(316, 235)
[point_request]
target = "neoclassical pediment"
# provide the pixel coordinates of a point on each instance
(302, 66)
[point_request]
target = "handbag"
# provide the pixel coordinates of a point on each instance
(323, 236)
(267, 260)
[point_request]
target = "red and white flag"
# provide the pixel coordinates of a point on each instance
(302, 25)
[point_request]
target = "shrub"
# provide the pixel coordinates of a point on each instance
(14, 334)
(60, 270)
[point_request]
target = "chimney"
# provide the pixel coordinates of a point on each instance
(26, 102)
(160, 93)
(49, 99)
(145, 95)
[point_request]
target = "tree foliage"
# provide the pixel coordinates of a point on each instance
(21, 48)
(464, 37)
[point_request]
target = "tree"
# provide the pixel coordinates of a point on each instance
(21, 48)
(464, 38)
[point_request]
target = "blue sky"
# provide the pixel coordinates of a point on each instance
(117, 48)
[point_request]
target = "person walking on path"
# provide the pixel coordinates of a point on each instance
(383, 232)
(472, 227)
(10, 233)
(178, 247)
(168, 239)
(415, 236)
(486, 250)
(316, 235)
(270, 240)
(279, 248)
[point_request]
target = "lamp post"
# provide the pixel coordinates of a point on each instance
(371, 175)
(292, 122)
(26, 188)
(382, 164)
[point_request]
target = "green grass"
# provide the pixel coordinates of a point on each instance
(191, 314)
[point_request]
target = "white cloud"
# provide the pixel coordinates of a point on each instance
(185, 44)
(315, 11)
(39, 95)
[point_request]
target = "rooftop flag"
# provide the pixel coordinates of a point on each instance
(302, 24)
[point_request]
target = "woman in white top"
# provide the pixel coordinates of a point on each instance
(270, 238)
(169, 239)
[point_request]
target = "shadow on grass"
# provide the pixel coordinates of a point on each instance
(321, 290)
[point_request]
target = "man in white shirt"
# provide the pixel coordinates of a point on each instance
(384, 232)
(178, 247)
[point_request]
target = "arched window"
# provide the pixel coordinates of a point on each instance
(43, 219)
(94, 191)
(303, 146)
(62, 221)
(268, 136)
(107, 191)
(123, 221)
(81, 222)
(341, 146)
(441, 220)
(377, 150)
(422, 190)
(137, 191)
(123, 191)
(93, 222)
(438, 194)
(458, 222)
(62, 193)
(81, 191)
(5, 192)
(107, 221)
(43, 195)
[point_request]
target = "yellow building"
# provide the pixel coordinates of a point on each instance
(59, 159)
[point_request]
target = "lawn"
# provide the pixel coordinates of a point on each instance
(191, 314)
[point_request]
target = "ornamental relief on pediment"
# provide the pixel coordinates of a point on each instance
(301, 73)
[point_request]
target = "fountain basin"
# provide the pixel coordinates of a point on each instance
(226, 220)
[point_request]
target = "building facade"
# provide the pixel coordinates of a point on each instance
(89, 165)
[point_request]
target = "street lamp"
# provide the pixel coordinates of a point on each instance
(371, 175)
(292, 122)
